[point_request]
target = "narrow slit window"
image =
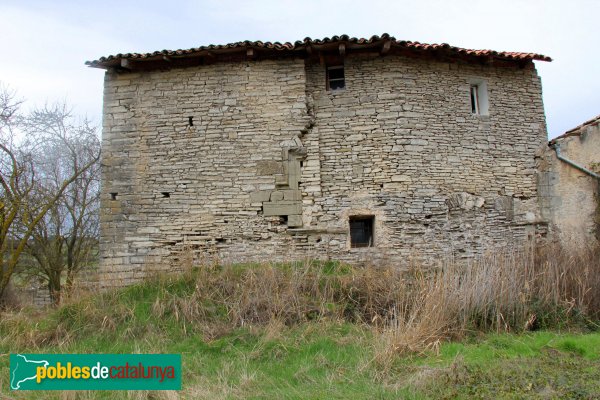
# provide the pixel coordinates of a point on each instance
(361, 231)
(478, 93)
(474, 99)
(335, 78)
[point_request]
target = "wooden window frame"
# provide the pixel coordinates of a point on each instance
(342, 79)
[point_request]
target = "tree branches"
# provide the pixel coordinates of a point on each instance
(49, 181)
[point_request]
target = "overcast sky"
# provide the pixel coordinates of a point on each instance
(45, 43)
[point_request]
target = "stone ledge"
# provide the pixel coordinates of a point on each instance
(299, 231)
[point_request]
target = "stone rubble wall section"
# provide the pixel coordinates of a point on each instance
(273, 164)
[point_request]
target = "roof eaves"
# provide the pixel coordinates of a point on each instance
(103, 62)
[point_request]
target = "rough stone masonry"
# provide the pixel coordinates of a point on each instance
(252, 151)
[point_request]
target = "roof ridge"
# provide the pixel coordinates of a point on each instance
(307, 41)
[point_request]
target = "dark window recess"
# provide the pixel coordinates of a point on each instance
(165, 195)
(361, 231)
(191, 121)
(113, 196)
(335, 78)
(474, 99)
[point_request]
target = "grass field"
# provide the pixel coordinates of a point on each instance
(263, 332)
(338, 360)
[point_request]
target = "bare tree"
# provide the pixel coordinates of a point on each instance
(66, 239)
(21, 206)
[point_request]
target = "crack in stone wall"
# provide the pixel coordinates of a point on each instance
(274, 164)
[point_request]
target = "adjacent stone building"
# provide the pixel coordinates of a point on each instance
(569, 184)
(365, 150)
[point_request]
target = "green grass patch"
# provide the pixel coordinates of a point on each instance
(320, 355)
(335, 360)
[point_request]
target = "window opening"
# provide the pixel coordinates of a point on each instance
(474, 99)
(335, 78)
(361, 231)
(479, 97)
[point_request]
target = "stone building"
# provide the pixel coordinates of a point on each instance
(569, 184)
(364, 150)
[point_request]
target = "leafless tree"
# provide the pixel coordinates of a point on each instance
(26, 196)
(65, 240)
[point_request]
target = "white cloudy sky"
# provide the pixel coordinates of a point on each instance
(45, 43)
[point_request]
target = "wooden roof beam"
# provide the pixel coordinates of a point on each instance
(209, 58)
(126, 64)
(385, 49)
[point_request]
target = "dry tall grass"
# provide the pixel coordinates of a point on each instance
(410, 311)
(511, 290)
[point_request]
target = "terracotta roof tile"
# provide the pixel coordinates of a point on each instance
(301, 45)
(576, 131)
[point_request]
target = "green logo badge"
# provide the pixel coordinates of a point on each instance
(95, 371)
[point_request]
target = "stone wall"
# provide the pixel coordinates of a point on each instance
(571, 198)
(402, 144)
(258, 161)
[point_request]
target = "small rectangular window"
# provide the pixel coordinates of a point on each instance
(335, 78)
(361, 231)
(478, 92)
(474, 99)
